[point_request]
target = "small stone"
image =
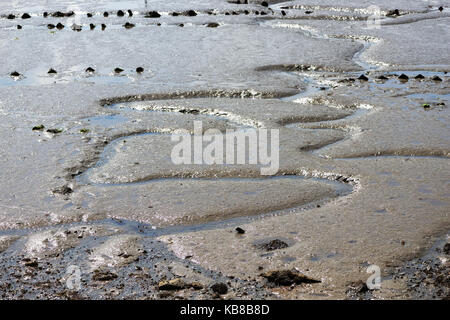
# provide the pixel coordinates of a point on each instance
(363, 78)
(152, 14)
(219, 288)
(287, 277)
(103, 275)
(105, 14)
(45, 14)
(181, 25)
(240, 230)
(52, 71)
(403, 77)
(26, 16)
(89, 15)
(51, 26)
(120, 13)
(38, 128)
(264, 4)
(128, 25)
(103, 26)
(59, 26)
(64, 190)
(419, 77)
(382, 78)
(174, 14)
(130, 13)
(54, 131)
(190, 13)
(31, 263)
(212, 25)
(436, 78)
(446, 248)
(274, 245)
(90, 70)
(15, 74)
(92, 26)
(283, 13)
(308, 12)
(426, 106)
(11, 16)
(174, 284)
(139, 69)
(441, 9)
(118, 70)
(393, 13)
(76, 27)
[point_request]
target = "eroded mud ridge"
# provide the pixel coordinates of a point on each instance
(363, 121)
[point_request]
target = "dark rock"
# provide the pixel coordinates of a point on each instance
(436, 78)
(38, 128)
(383, 78)
(174, 284)
(426, 106)
(175, 14)
(64, 190)
(19, 27)
(446, 248)
(76, 27)
(91, 70)
(139, 69)
(52, 71)
(393, 13)
(181, 25)
(274, 245)
(152, 14)
(287, 277)
(51, 26)
(103, 275)
(15, 74)
(130, 13)
(92, 26)
(308, 12)
(54, 131)
(26, 16)
(89, 15)
(120, 13)
(11, 16)
(190, 13)
(441, 9)
(128, 25)
(103, 26)
(419, 77)
(264, 4)
(363, 78)
(212, 25)
(45, 14)
(403, 77)
(240, 230)
(31, 263)
(220, 288)
(118, 70)
(105, 14)
(59, 26)
(283, 13)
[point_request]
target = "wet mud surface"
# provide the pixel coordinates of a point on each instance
(91, 95)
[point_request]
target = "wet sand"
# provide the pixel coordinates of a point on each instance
(364, 169)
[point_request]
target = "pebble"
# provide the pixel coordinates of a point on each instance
(152, 14)
(120, 13)
(240, 230)
(436, 78)
(139, 69)
(403, 77)
(419, 76)
(26, 16)
(363, 78)
(128, 25)
(90, 70)
(52, 71)
(60, 26)
(220, 288)
(118, 70)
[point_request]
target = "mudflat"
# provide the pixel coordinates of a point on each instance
(91, 94)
